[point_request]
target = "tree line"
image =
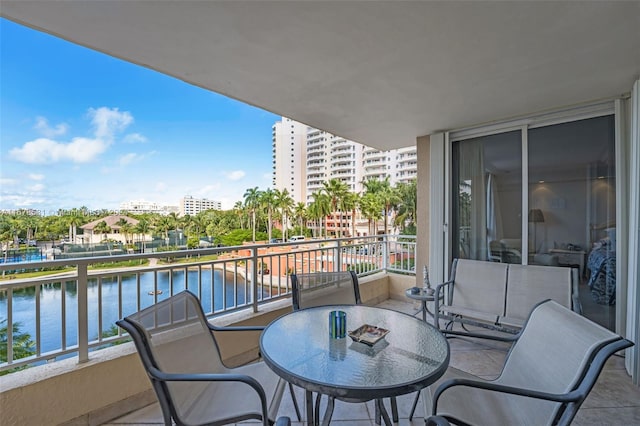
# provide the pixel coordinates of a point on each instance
(259, 216)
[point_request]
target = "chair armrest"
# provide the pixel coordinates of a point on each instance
(436, 302)
(213, 377)
(204, 377)
(499, 338)
(236, 327)
(436, 421)
(283, 421)
(567, 397)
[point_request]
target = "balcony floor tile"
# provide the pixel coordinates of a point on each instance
(613, 400)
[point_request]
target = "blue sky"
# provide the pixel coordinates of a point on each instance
(80, 128)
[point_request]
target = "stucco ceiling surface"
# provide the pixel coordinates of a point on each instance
(380, 73)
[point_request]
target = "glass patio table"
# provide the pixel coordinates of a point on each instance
(298, 347)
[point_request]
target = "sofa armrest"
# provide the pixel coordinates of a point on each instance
(438, 296)
(576, 305)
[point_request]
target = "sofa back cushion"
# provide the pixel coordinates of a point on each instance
(480, 286)
(529, 285)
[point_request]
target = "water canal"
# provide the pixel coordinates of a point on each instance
(52, 322)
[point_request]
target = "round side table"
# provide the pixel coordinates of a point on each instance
(423, 297)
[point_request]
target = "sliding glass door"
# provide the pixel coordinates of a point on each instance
(572, 207)
(569, 194)
(487, 182)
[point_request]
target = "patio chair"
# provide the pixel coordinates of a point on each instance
(328, 288)
(179, 352)
(549, 371)
(325, 288)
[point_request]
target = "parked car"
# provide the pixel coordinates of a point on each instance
(297, 238)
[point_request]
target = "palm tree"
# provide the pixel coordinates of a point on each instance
(127, 230)
(164, 225)
(320, 208)
(22, 346)
(143, 228)
(406, 217)
(176, 223)
(251, 203)
(385, 193)
(8, 234)
(349, 202)
(29, 224)
(104, 229)
(336, 190)
(300, 213)
(122, 227)
(75, 218)
(389, 199)
(239, 211)
(285, 204)
(52, 227)
(198, 224)
(371, 208)
(268, 202)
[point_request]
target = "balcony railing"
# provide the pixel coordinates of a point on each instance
(72, 312)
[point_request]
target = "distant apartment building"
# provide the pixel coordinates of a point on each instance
(192, 206)
(289, 139)
(142, 206)
(330, 157)
(304, 158)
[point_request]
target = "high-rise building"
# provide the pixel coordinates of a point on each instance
(304, 158)
(192, 206)
(289, 149)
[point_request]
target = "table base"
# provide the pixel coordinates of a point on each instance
(313, 411)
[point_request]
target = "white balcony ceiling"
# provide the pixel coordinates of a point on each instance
(380, 73)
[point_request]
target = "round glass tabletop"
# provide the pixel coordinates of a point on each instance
(298, 347)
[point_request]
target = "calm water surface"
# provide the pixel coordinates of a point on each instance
(51, 297)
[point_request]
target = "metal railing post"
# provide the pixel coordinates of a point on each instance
(385, 253)
(83, 314)
(254, 277)
(339, 256)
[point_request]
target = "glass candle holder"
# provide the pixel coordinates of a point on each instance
(337, 324)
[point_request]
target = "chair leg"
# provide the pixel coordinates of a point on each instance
(308, 399)
(295, 402)
(329, 413)
(316, 412)
(394, 409)
(381, 414)
(415, 404)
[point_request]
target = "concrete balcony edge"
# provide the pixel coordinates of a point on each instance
(113, 383)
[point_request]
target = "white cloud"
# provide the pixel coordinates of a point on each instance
(127, 158)
(7, 181)
(42, 126)
(34, 176)
(134, 138)
(36, 188)
(161, 186)
(46, 151)
(132, 157)
(235, 175)
(21, 200)
(108, 121)
(208, 190)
